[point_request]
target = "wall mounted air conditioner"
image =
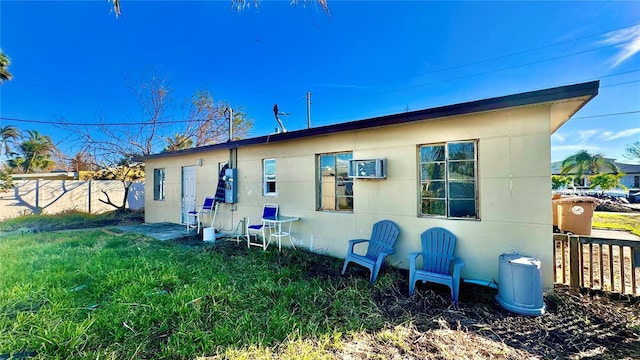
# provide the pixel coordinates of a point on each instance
(368, 169)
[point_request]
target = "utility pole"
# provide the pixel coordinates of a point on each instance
(308, 110)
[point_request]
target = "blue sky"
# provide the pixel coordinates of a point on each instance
(72, 60)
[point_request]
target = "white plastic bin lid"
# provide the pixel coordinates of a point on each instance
(523, 260)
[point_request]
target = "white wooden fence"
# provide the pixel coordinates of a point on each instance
(55, 196)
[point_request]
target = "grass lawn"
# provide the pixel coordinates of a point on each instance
(613, 221)
(108, 295)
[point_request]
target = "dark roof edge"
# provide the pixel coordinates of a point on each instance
(527, 98)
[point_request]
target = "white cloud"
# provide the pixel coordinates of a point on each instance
(584, 136)
(575, 148)
(608, 135)
(605, 135)
(557, 137)
(627, 39)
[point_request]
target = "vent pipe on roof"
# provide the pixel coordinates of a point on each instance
(230, 111)
(308, 110)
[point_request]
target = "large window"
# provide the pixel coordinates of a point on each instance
(448, 180)
(269, 177)
(335, 188)
(158, 184)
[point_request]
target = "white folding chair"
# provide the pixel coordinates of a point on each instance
(258, 229)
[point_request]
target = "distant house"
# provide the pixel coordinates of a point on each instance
(631, 179)
(480, 169)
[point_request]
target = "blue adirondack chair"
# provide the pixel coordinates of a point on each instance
(437, 260)
(383, 237)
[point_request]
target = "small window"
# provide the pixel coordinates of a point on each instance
(335, 187)
(269, 177)
(158, 184)
(448, 180)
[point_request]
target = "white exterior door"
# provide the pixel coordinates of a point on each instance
(188, 190)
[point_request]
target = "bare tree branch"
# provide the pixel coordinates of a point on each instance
(242, 4)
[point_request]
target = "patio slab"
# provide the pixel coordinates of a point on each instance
(160, 231)
(169, 231)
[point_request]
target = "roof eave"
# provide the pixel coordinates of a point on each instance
(586, 90)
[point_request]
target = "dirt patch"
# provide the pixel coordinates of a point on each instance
(575, 323)
(427, 326)
(609, 206)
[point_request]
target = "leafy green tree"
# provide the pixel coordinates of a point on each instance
(583, 164)
(8, 136)
(34, 153)
(5, 75)
(632, 151)
(606, 181)
(560, 181)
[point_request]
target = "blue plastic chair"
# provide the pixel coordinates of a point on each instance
(437, 260)
(383, 237)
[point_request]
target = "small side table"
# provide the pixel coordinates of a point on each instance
(279, 233)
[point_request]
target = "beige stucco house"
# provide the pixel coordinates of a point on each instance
(480, 169)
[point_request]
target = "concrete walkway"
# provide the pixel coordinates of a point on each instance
(614, 234)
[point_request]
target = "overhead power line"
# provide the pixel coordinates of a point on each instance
(607, 115)
(476, 74)
(492, 58)
(186, 121)
(138, 123)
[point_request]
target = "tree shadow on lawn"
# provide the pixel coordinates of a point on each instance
(576, 324)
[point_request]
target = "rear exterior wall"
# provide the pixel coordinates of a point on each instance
(513, 182)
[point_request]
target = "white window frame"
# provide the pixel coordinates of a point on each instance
(341, 190)
(442, 193)
(159, 183)
(268, 178)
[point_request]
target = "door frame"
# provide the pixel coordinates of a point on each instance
(188, 196)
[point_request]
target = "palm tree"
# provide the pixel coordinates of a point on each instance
(8, 135)
(34, 153)
(5, 75)
(632, 151)
(582, 164)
